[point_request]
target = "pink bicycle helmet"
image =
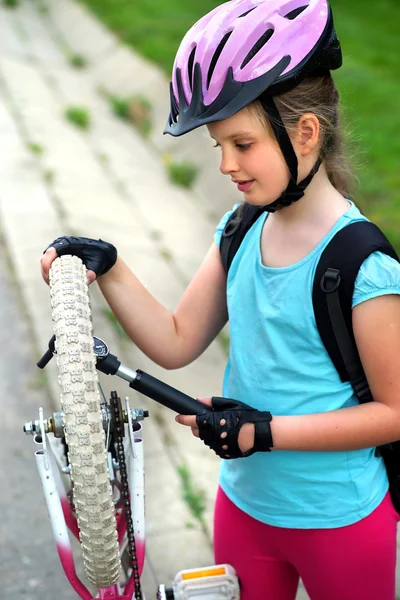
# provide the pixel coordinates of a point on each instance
(243, 48)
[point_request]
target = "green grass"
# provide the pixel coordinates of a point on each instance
(369, 81)
(135, 110)
(77, 60)
(120, 107)
(35, 148)
(194, 497)
(370, 87)
(79, 116)
(48, 176)
(182, 173)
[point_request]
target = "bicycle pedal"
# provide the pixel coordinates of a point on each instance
(218, 582)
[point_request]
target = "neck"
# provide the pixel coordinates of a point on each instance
(320, 201)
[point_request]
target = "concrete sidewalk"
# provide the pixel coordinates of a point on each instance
(109, 182)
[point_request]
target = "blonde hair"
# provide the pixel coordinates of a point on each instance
(319, 96)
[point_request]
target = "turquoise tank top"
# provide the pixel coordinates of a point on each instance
(277, 362)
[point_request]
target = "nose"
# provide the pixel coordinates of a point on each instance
(228, 163)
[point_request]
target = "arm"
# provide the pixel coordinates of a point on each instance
(376, 325)
(170, 340)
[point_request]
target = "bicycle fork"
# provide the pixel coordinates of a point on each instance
(62, 519)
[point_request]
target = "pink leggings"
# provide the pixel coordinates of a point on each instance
(356, 562)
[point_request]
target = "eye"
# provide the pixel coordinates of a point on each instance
(243, 147)
(216, 145)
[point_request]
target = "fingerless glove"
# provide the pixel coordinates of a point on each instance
(228, 417)
(96, 255)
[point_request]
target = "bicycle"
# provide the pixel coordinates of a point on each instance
(102, 460)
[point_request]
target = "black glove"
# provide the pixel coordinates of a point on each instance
(96, 255)
(235, 414)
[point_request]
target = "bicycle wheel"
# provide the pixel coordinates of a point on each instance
(83, 422)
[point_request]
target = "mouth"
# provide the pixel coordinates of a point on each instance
(244, 186)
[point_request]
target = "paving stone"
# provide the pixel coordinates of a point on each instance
(175, 554)
(10, 39)
(166, 511)
(123, 73)
(37, 40)
(28, 86)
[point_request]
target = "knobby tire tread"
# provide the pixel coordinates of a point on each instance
(83, 421)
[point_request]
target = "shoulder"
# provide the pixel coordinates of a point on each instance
(379, 275)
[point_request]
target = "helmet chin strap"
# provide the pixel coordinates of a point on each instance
(294, 190)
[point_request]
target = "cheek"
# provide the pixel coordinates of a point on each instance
(271, 170)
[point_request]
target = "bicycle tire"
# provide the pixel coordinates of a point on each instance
(83, 421)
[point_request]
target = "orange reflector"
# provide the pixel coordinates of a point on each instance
(204, 573)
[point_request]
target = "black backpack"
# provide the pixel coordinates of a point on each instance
(332, 302)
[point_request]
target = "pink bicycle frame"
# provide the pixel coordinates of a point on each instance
(62, 517)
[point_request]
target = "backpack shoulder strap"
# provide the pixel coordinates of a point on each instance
(333, 293)
(238, 224)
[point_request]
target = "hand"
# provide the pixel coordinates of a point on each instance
(246, 433)
(190, 420)
(47, 259)
(245, 429)
(98, 256)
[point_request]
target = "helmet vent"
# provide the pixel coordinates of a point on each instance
(257, 47)
(190, 67)
(216, 56)
(295, 13)
(247, 12)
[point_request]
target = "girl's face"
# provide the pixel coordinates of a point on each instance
(251, 157)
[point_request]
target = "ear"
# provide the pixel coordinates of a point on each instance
(307, 133)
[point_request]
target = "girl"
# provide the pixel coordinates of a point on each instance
(302, 493)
